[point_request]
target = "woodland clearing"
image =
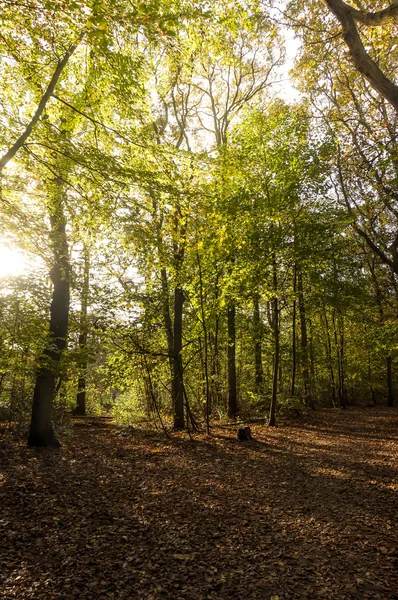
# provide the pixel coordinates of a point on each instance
(306, 510)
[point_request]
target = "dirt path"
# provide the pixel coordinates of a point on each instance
(307, 511)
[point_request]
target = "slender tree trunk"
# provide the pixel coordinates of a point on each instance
(258, 362)
(168, 324)
(379, 302)
(372, 392)
(339, 343)
(81, 389)
(178, 384)
(390, 389)
(41, 430)
(275, 320)
(342, 370)
(294, 348)
(313, 374)
(232, 391)
(330, 360)
(215, 362)
(206, 349)
(304, 341)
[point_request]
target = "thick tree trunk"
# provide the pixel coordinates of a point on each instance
(178, 384)
(363, 62)
(275, 320)
(232, 390)
(258, 361)
(81, 386)
(41, 430)
(304, 341)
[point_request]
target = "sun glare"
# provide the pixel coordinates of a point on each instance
(12, 262)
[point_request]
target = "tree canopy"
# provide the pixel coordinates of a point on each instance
(203, 246)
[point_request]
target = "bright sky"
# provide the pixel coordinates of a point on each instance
(12, 262)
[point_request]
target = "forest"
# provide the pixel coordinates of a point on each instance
(198, 234)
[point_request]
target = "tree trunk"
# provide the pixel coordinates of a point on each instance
(258, 362)
(390, 389)
(370, 381)
(178, 385)
(41, 430)
(205, 359)
(215, 360)
(294, 348)
(330, 360)
(339, 343)
(275, 320)
(81, 386)
(379, 302)
(304, 341)
(232, 391)
(363, 62)
(168, 324)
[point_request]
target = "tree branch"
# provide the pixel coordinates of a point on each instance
(347, 17)
(41, 106)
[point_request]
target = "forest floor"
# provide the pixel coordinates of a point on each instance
(308, 510)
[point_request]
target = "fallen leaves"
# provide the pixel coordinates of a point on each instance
(290, 515)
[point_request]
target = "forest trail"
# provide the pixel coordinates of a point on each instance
(306, 511)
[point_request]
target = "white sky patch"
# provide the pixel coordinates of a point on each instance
(286, 89)
(12, 262)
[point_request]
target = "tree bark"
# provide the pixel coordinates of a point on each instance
(330, 360)
(41, 430)
(232, 390)
(275, 320)
(361, 59)
(178, 385)
(379, 302)
(390, 388)
(81, 386)
(294, 347)
(258, 362)
(339, 343)
(168, 324)
(304, 341)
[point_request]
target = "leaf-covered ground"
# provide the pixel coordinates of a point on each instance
(306, 511)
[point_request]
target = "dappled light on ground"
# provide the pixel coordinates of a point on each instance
(307, 510)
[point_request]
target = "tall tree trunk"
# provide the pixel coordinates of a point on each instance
(81, 388)
(304, 341)
(258, 362)
(178, 384)
(379, 302)
(370, 381)
(41, 430)
(168, 324)
(313, 374)
(205, 359)
(390, 389)
(294, 347)
(339, 343)
(275, 322)
(232, 391)
(330, 360)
